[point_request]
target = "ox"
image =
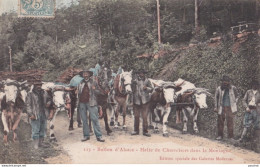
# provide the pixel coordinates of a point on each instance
(123, 90)
(190, 100)
(62, 102)
(161, 100)
(12, 104)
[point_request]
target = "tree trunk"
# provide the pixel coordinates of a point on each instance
(100, 42)
(257, 10)
(196, 16)
(184, 12)
(159, 25)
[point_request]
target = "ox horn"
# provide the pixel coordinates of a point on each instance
(24, 82)
(178, 85)
(203, 90)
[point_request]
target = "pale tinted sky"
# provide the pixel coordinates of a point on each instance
(8, 5)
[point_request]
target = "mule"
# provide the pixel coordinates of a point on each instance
(123, 91)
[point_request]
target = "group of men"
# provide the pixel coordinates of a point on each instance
(226, 98)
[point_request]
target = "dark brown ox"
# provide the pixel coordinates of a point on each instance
(161, 100)
(191, 101)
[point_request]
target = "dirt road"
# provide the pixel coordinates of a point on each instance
(121, 147)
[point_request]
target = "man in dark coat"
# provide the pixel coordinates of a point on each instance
(142, 89)
(37, 102)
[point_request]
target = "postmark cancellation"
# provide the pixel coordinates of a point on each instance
(36, 8)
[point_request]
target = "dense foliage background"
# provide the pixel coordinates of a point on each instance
(116, 30)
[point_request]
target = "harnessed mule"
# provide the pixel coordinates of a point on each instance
(123, 90)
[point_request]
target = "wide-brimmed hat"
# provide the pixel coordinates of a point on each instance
(89, 71)
(226, 78)
(141, 71)
(255, 83)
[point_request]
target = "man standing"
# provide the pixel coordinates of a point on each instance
(250, 102)
(37, 102)
(87, 94)
(142, 89)
(226, 98)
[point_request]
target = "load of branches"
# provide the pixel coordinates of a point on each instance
(30, 75)
(68, 74)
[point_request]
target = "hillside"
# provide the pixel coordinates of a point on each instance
(205, 64)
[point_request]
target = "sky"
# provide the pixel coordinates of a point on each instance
(11, 5)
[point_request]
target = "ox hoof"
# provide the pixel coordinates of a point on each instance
(71, 128)
(196, 131)
(156, 130)
(112, 123)
(151, 127)
(109, 131)
(5, 139)
(53, 140)
(165, 135)
(184, 132)
(116, 127)
(15, 140)
(124, 128)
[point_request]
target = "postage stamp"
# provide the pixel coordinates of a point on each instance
(36, 8)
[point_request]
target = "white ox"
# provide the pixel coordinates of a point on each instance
(61, 100)
(12, 104)
(190, 100)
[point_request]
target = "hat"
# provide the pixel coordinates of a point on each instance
(113, 74)
(225, 78)
(141, 71)
(255, 83)
(89, 71)
(37, 82)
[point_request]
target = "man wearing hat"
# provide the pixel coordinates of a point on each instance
(37, 102)
(142, 89)
(226, 98)
(87, 95)
(250, 101)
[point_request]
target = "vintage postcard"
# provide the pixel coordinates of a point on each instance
(129, 82)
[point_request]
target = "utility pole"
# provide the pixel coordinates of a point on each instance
(10, 53)
(159, 25)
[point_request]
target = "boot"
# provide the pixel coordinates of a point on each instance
(36, 144)
(41, 144)
(243, 135)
